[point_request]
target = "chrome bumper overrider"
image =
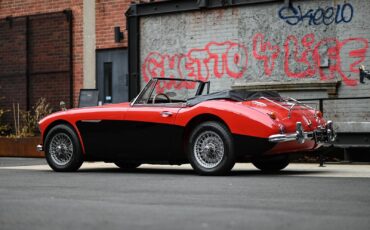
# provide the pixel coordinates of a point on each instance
(39, 148)
(325, 134)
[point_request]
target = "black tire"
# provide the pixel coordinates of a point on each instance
(272, 164)
(55, 154)
(127, 165)
(223, 164)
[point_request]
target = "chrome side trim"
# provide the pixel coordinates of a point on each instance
(91, 121)
(143, 90)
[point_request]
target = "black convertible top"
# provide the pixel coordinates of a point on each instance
(235, 95)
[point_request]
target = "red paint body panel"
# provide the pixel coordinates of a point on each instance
(154, 114)
(293, 146)
(239, 118)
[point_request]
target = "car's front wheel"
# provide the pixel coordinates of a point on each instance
(271, 164)
(62, 149)
(211, 149)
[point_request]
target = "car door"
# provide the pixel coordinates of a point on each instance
(102, 130)
(151, 131)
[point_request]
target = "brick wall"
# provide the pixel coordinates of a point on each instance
(13, 81)
(49, 59)
(32, 7)
(110, 13)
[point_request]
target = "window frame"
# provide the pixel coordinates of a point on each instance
(201, 87)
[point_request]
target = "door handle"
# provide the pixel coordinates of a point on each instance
(166, 114)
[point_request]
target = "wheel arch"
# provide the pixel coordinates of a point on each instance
(63, 122)
(200, 119)
(227, 161)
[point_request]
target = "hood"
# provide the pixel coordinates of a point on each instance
(86, 110)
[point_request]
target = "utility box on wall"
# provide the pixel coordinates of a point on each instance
(310, 50)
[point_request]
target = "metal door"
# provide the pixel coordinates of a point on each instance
(111, 75)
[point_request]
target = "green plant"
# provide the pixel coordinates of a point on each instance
(4, 128)
(31, 118)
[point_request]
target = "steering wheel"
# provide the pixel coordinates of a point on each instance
(161, 94)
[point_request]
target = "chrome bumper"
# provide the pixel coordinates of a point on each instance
(322, 135)
(39, 148)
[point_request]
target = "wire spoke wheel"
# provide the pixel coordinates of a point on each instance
(209, 149)
(61, 149)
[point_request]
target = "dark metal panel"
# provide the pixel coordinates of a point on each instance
(133, 52)
(52, 30)
(346, 140)
(118, 59)
(176, 6)
(28, 63)
(69, 16)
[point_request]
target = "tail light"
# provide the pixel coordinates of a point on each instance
(319, 114)
(272, 115)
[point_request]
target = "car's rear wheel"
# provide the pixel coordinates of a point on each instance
(63, 149)
(271, 164)
(211, 149)
(127, 165)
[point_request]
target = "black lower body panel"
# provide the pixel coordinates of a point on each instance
(248, 146)
(111, 140)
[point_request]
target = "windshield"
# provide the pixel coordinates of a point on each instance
(169, 91)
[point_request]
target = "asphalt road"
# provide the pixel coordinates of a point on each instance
(102, 197)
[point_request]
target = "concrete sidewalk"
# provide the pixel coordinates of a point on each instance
(294, 169)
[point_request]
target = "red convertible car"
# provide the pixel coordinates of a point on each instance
(177, 121)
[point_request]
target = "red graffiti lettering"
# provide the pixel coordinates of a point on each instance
(216, 59)
(304, 58)
(335, 50)
(153, 66)
(265, 52)
(236, 66)
(306, 69)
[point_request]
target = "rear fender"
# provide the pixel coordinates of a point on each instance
(240, 119)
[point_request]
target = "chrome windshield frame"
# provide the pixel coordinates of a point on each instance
(201, 87)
